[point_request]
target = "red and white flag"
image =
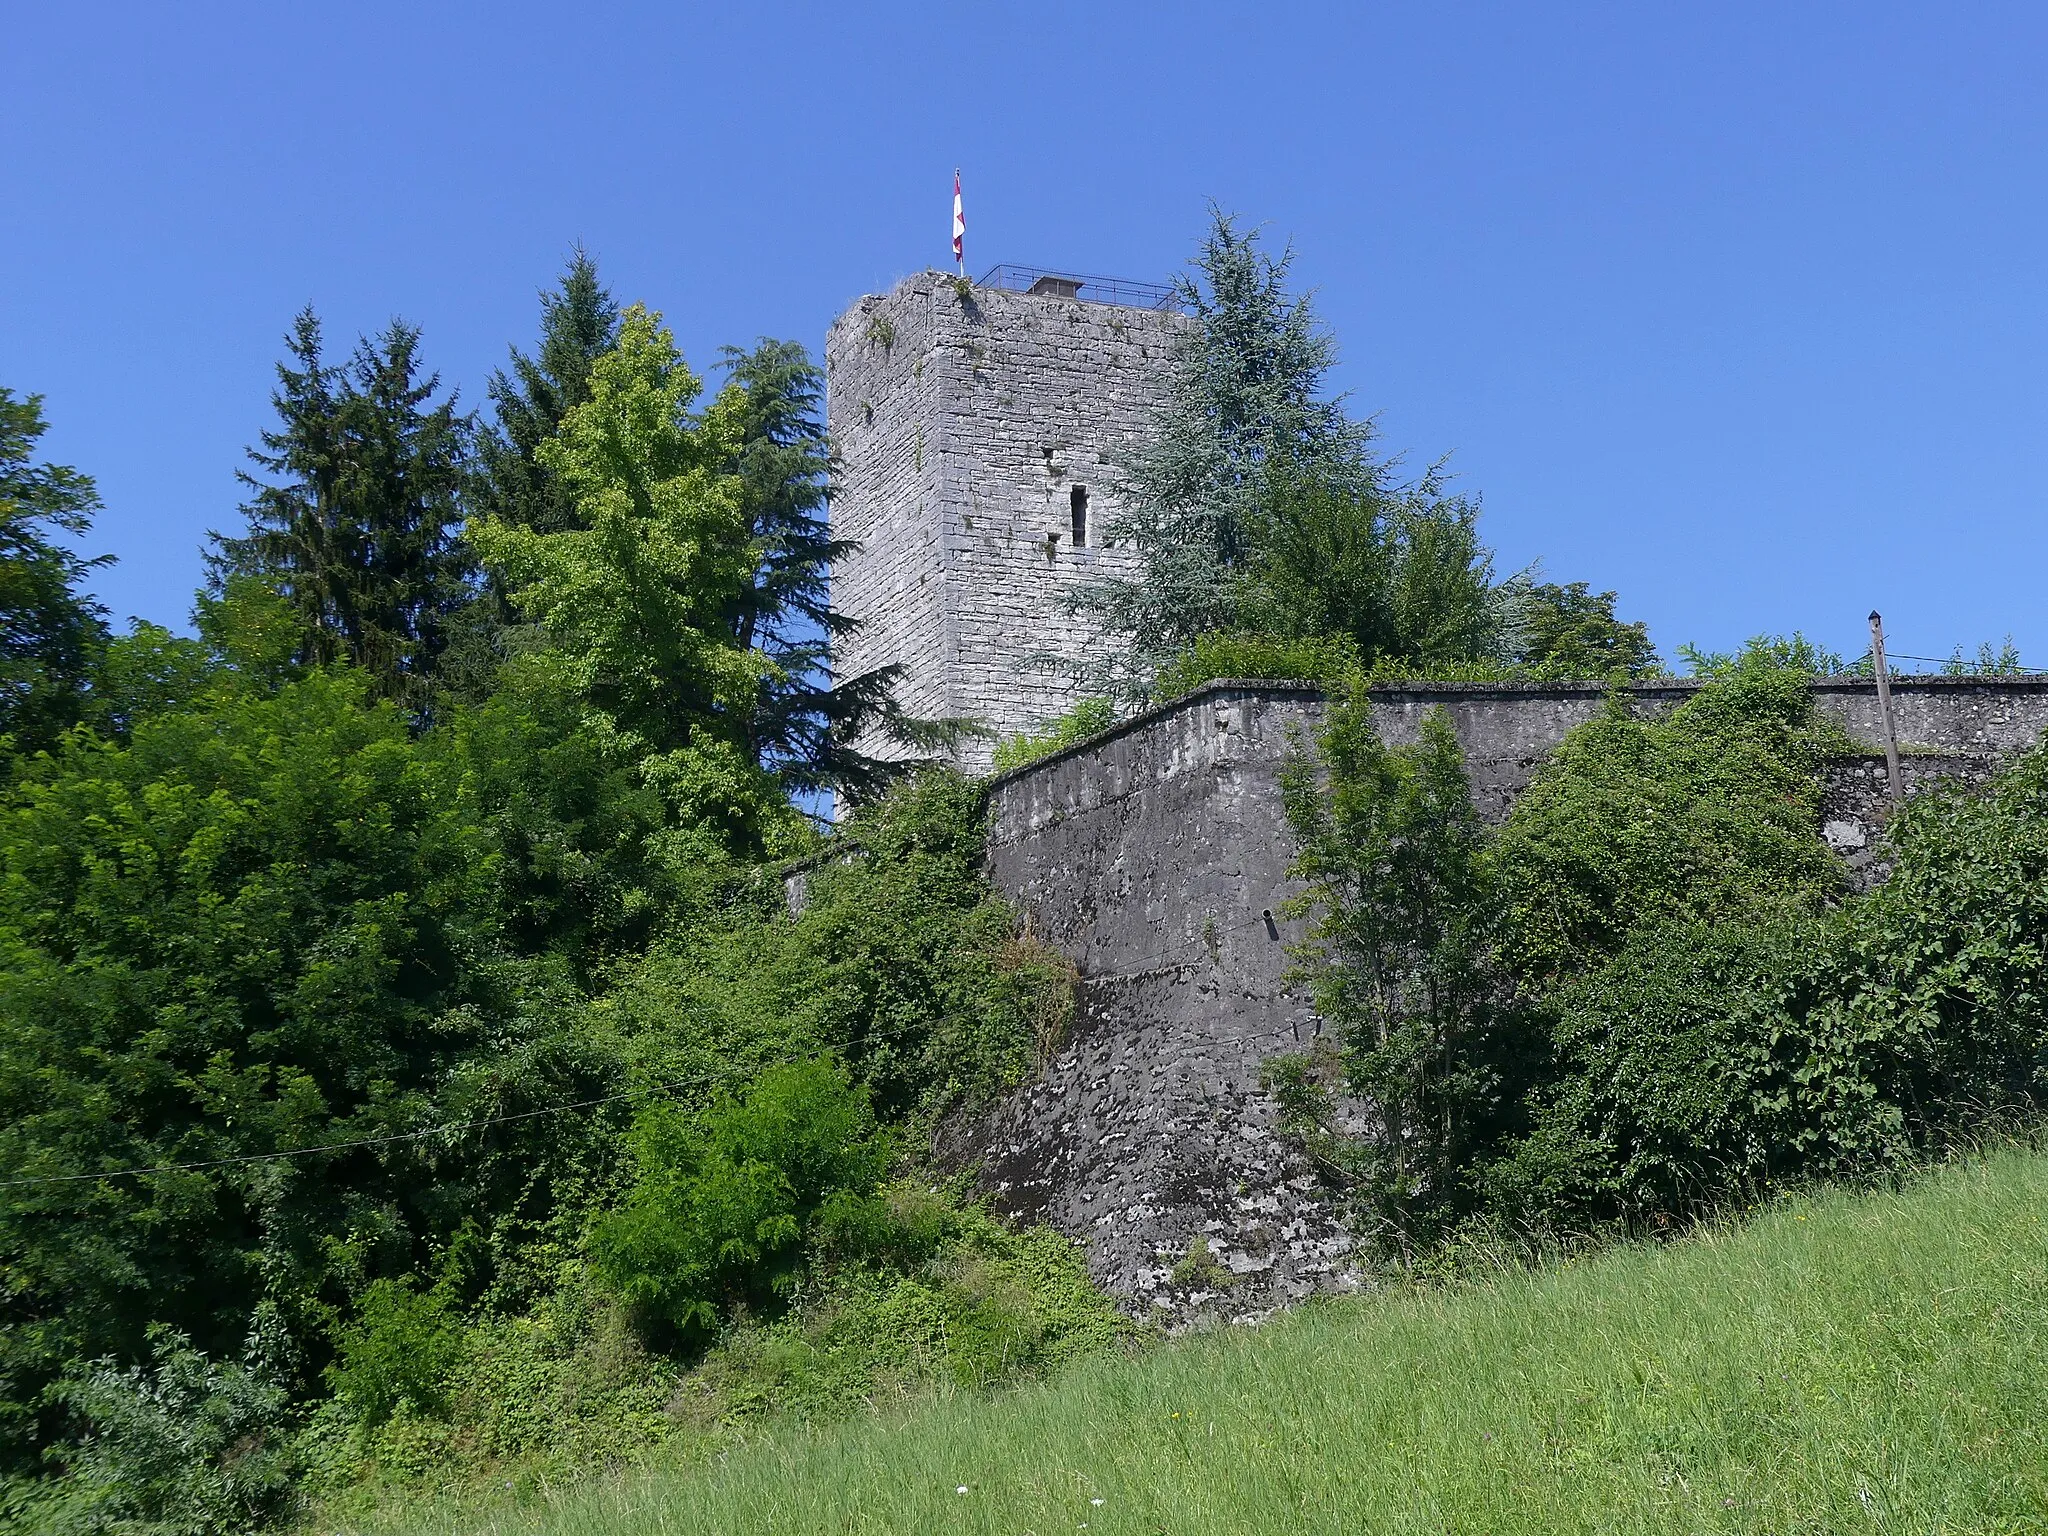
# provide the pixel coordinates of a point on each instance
(959, 224)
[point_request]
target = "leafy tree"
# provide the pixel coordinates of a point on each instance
(51, 633)
(360, 529)
(1393, 857)
(579, 322)
(276, 918)
(638, 604)
(1397, 570)
(1246, 397)
(1571, 632)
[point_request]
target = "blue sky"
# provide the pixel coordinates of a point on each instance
(1738, 310)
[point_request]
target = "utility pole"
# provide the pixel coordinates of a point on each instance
(1884, 705)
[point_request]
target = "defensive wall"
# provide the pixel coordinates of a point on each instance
(1155, 856)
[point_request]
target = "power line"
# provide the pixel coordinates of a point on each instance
(453, 1127)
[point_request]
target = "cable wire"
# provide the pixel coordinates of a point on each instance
(452, 1127)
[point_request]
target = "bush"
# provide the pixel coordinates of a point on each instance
(185, 1447)
(398, 1353)
(1710, 815)
(902, 962)
(1707, 1060)
(1085, 719)
(726, 1209)
(1268, 658)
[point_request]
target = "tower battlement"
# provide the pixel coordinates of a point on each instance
(979, 429)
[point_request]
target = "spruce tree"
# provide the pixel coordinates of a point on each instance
(51, 633)
(579, 321)
(359, 529)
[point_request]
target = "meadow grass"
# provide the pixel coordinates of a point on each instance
(1847, 1362)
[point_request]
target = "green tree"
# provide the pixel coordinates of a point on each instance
(1398, 570)
(359, 530)
(579, 322)
(1571, 632)
(51, 632)
(1393, 857)
(638, 604)
(1246, 397)
(804, 727)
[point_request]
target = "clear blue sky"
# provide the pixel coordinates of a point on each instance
(1741, 310)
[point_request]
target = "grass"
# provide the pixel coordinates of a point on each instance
(1850, 1362)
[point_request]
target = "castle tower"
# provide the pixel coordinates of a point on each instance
(978, 426)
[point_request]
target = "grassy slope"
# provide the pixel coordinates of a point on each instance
(1853, 1363)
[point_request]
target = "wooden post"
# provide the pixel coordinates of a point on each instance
(1884, 705)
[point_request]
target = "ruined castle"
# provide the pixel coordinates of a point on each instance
(980, 425)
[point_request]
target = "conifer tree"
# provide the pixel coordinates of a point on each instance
(804, 726)
(359, 531)
(1246, 398)
(579, 321)
(50, 632)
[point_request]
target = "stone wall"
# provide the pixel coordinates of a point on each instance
(966, 420)
(1155, 856)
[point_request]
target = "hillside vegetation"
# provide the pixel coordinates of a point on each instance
(1849, 1362)
(415, 1084)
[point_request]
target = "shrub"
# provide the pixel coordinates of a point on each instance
(1710, 815)
(187, 1446)
(903, 962)
(1085, 719)
(1268, 658)
(1711, 1059)
(398, 1352)
(725, 1208)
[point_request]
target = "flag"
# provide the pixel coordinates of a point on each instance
(959, 222)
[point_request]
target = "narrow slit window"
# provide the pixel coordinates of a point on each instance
(1078, 501)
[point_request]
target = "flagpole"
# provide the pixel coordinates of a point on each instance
(959, 228)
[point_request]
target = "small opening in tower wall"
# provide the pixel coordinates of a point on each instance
(1079, 502)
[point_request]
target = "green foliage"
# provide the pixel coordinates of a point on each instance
(1395, 877)
(359, 530)
(187, 1446)
(1266, 658)
(635, 597)
(1396, 570)
(2000, 660)
(1570, 632)
(51, 633)
(397, 1352)
(579, 322)
(804, 725)
(1710, 1060)
(726, 1211)
(1246, 394)
(1705, 816)
(902, 961)
(1845, 1363)
(1085, 719)
(940, 1299)
(1792, 652)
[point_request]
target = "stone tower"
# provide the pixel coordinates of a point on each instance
(978, 425)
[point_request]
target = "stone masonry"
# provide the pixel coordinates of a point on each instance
(1155, 856)
(974, 426)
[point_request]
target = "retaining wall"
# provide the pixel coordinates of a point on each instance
(1155, 856)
